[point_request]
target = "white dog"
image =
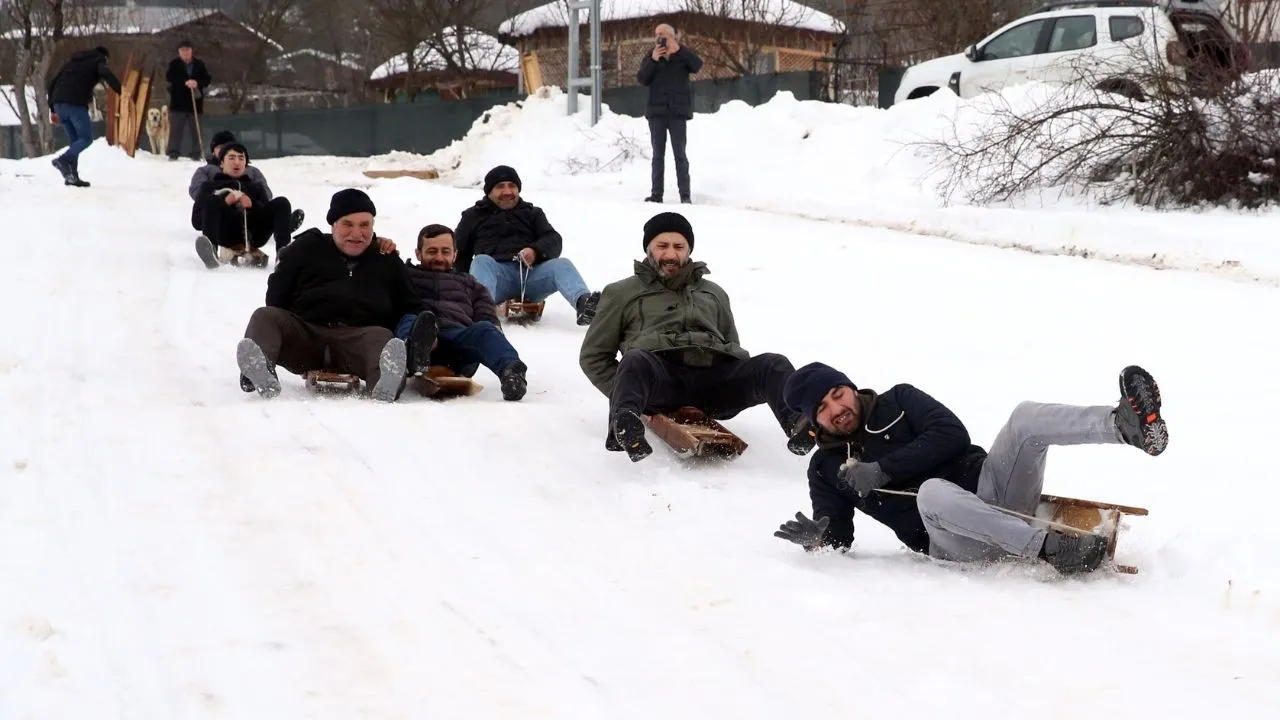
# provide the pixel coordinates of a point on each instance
(158, 129)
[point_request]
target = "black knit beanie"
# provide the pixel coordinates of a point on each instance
(806, 388)
(103, 50)
(348, 202)
(502, 173)
(222, 137)
(667, 222)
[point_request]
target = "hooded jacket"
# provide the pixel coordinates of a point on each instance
(74, 82)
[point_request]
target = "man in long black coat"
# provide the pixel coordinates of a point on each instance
(187, 77)
(905, 459)
(665, 70)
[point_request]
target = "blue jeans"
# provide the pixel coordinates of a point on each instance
(464, 349)
(75, 123)
(502, 279)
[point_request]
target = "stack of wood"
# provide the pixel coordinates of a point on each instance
(127, 111)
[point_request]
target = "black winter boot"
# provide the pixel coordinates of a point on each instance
(627, 430)
(586, 307)
(514, 384)
(1073, 554)
(1138, 413)
(801, 438)
(423, 335)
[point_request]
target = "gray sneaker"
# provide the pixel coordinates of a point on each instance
(391, 366)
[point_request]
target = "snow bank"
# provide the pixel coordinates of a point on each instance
(859, 165)
(773, 12)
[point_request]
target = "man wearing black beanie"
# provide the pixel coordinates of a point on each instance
(510, 247)
(333, 294)
(206, 172)
(678, 343)
(905, 460)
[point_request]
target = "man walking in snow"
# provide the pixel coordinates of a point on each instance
(333, 302)
(70, 94)
(679, 345)
(665, 70)
(187, 77)
(459, 328)
(509, 246)
(906, 441)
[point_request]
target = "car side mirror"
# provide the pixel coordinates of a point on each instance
(971, 52)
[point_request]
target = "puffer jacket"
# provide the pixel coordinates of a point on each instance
(457, 299)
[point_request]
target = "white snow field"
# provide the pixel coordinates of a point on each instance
(171, 547)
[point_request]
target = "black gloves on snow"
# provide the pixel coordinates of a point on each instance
(803, 531)
(863, 477)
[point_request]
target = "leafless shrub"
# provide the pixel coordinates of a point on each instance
(628, 147)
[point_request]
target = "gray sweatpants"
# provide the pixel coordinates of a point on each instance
(965, 527)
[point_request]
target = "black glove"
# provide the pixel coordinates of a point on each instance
(863, 477)
(803, 531)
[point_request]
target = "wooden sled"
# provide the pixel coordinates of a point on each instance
(690, 432)
(428, 174)
(1091, 517)
(441, 383)
(331, 381)
(521, 313)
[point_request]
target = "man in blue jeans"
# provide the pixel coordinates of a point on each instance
(459, 328)
(70, 93)
(505, 242)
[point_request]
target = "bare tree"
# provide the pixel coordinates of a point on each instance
(345, 30)
(244, 70)
(402, 25)
(1255, 20)
(38, 28)
(742, 33)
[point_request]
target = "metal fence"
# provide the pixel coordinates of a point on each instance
(431, 124)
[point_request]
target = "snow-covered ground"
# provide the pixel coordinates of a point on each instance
(175, 548)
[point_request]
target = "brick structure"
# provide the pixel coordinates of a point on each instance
(790, 37)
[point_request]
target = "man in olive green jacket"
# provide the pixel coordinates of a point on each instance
(679, 346)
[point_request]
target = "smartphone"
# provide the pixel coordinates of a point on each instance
(662, 42)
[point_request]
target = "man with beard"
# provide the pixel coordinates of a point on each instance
(332, 303)
(679, 345)
(506, 242)
(944, 494)
(237, 215)
(459, 328)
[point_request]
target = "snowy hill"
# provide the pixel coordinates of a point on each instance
(175, 548)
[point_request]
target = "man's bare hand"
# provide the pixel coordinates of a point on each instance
(659, 52)
(386, 246)
(527, 256)
(231, 198)
(192, 84)
(246, 202)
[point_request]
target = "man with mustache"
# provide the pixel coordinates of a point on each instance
(459, 328)
(903, 440)
(679, 345)
(503, 237)
(332, 294)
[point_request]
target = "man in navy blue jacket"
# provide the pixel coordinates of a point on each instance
(904, 440)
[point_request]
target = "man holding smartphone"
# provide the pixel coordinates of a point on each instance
(665, 71)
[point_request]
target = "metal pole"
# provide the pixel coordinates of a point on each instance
(597, 66)
(572, 85)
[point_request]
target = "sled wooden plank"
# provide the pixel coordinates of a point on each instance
(689, 431)
(441, 383)
(1092, 517)
(531, 71)
(514, 311)
(427, 174)
(331, 381)
(139, 113)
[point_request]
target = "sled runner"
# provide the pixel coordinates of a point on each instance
(689, 431)
(521, 313)
(1092, 517)
(441, 383)
(331, 381)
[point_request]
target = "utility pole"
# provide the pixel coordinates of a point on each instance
(595, 80)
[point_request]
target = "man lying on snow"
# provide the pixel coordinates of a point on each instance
(502, 237)
(679, 346)
(332, 294)
(236, 215)
(904, 440)
(205, 172)
(459, 328)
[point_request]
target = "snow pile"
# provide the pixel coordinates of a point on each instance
(478, 51)
(858, 165)
(772, 12)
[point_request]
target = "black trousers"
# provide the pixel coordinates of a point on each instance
(224, 224)
(659, 128)
(647, 383)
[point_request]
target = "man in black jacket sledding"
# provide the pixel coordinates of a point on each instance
(904, 441)
(332, 302)
(236, 215)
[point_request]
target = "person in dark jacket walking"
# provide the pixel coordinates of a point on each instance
(666, 70)
(187, 77)
(905, 459)
(459, 328)
(333, 301)
(237, 215)
(70, 94)
(511, 248)
(679, 345)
